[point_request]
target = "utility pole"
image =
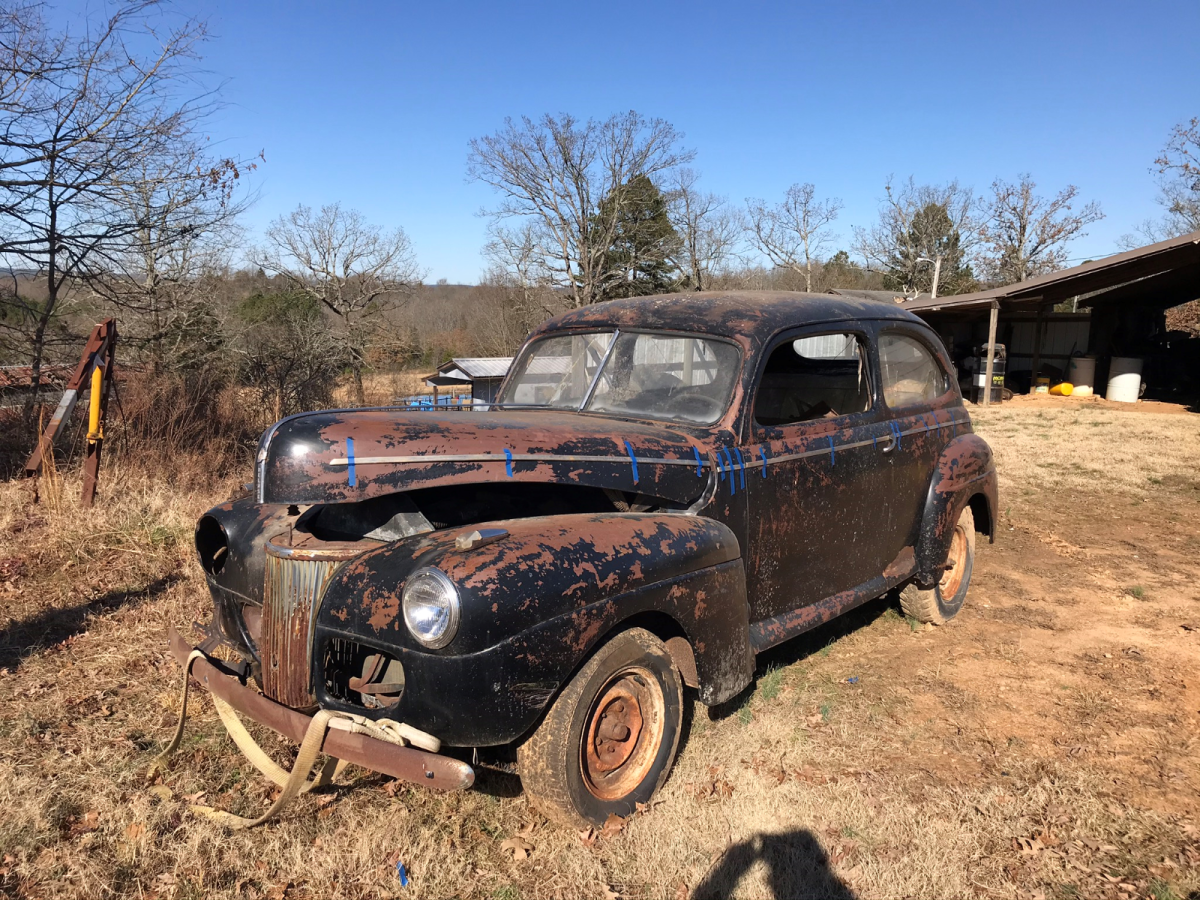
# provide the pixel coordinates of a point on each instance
(937, 272)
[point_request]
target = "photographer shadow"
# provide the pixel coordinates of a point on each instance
(796, 867)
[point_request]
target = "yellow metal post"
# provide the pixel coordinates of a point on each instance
(94, 433)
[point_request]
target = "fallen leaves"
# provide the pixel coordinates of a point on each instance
(767, 768)
(612, 826)
(89, 821)
(519, 847)
(714, 789)
(519, 844)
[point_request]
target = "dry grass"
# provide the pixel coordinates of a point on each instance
(993, 757)
(381, 388)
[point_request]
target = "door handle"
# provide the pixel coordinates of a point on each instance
(889, 444)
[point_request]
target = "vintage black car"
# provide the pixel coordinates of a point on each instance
(666, 487)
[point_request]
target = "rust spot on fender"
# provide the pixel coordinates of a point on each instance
(903, 565)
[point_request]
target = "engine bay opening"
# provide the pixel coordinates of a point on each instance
(396, 516)
(458, 505)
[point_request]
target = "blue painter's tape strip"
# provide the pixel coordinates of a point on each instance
(763, 451)
(350, 475)
(720, 467)
(632, 461)
(899, 436)
(741, 466)
(832, 455)
(699, 463)
(508, 461)
(729, 468)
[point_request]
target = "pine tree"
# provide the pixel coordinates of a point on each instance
(640, 260)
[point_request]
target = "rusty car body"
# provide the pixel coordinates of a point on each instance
(666, 487)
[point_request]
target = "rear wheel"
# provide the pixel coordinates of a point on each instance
(941, 603)
(608, 741)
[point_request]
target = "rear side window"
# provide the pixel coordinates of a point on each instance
(813, 378)
(909, 372)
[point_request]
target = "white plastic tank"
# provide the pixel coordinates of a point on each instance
(1082, 373)
(1124, 379)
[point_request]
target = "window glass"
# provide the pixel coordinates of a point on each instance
(557, 371)
(909, 371)
(812, 378)
(654, 376)
(686, 379)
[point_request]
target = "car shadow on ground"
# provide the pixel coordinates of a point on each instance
(796, 867)
(807, 644)
(50, 626)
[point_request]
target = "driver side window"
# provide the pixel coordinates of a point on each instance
(814, 377)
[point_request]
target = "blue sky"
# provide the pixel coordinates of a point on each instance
(373, 104)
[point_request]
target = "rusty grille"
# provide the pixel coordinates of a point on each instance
(296, 577)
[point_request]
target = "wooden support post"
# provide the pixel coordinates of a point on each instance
(991, 353)
(1037, 348)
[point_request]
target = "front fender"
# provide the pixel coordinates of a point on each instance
(535, 604)
(965, 470)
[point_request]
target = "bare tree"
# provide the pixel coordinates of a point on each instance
(709, 230)
(185, 206)
(1025, 235)
(355, 269)
(924, 239)
(1179, 178)
(792, 233)
(564, 182)
(514, 255)
(80, 121)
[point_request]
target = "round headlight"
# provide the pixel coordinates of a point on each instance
(431, 607)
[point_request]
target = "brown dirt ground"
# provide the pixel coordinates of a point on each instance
(1043, 744)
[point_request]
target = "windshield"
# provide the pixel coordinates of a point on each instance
(651, 376)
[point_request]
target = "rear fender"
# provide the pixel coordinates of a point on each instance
(965, 471)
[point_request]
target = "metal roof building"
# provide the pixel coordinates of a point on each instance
(1125, 296)
(481, 375)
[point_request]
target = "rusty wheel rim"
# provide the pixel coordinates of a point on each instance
(624, 733)
(955, 564)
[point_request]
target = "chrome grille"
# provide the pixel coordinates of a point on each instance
(296, 578)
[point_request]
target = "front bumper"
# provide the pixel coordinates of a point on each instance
(405, 763)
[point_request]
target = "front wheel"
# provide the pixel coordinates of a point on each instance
(941, 603)
(610, 737)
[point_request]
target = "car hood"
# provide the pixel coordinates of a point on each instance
(349, 455)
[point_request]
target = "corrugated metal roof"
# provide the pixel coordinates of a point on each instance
(478, 366)
(1094, 277)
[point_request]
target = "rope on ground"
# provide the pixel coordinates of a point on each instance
(296, 781)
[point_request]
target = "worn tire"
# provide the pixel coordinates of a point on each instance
(941, 603)
(632, 674)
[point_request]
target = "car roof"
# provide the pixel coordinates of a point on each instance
(751, 314)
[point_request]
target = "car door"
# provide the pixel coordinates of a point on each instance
(816, 479)
(914, 385)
